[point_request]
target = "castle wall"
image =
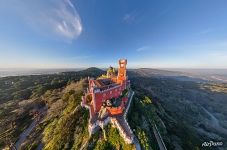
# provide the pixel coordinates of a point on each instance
(99, 96)
(102, 96)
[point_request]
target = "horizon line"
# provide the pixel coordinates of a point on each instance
(34, 68)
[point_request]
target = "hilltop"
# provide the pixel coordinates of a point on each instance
(186, 112)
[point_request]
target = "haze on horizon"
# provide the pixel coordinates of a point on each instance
(82, 33)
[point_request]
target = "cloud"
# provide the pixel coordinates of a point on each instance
(131, 17)
(82, 57)
(58, 18)
(163, 12)
(205, 31)
(219, 55)
(144, 48)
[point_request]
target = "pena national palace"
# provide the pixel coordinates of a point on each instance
(108, 99)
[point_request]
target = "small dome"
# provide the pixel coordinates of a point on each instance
(110, 71)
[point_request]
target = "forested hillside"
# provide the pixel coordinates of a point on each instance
(190, 112)
(187, 113)
(62, 123)
(20, 96)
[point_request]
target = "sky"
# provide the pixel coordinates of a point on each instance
(87, 33)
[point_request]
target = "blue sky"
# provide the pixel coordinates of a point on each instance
(85, 33)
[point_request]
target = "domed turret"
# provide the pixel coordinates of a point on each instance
(111, 72)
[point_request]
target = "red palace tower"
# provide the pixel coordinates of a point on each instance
(108, 99)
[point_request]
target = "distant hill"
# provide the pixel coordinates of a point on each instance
(197, 75)
(92, 72)
(149, 72)
(154, 72)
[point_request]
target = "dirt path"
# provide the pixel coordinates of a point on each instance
(27, 131)
(24, 134)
